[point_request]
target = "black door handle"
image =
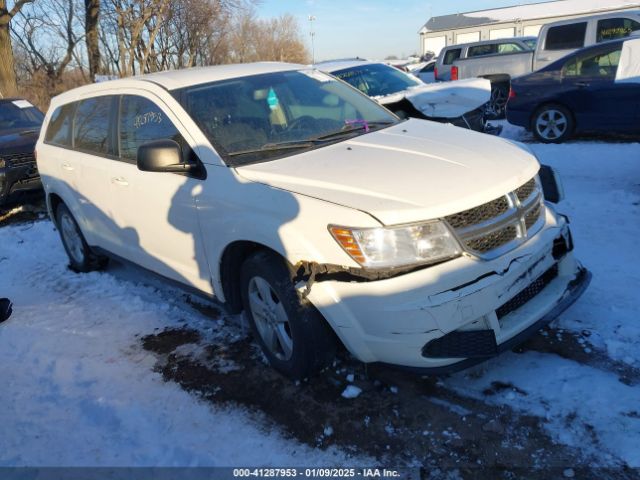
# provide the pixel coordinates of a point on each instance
(582, 84)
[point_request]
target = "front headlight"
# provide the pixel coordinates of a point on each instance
(401, 246)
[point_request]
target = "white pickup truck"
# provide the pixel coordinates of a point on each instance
(501, 60)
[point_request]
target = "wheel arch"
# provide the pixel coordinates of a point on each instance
(232, 258)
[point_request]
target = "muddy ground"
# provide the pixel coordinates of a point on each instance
(398, 419)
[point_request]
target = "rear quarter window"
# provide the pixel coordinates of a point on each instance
(566, 37)
(59, 127)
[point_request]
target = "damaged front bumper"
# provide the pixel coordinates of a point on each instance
(450, 316)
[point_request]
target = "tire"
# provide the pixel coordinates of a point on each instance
(292, 334)
(552, 123)
(496, 108)
(81, 258)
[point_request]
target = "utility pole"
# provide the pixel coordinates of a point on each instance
(313, 35)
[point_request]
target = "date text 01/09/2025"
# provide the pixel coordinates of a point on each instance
(316, 472)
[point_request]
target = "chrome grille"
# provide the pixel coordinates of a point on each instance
(526, 190)
(502, 224)
(493, 240)
(479, 214)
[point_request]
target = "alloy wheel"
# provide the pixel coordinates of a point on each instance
(72, 237)
(551, 124)
(271, 319)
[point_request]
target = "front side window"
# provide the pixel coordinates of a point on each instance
(262, 117)
(505, 48)
(531, 43)
(59, 128)
(612, 28)
(602, 64)
(19, 114)
(376, 80)
(142, 121)
(91, 125)
(566, 37)
(452, 55)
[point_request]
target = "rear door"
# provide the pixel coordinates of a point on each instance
(90, 160)
(156, 211)
(598, 102)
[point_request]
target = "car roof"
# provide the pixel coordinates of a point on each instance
(335, 65)
(176, 79)
(485, 42)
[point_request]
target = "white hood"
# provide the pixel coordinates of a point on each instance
(445, 99)
(416, 170)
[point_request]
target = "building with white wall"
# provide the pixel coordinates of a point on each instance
(516, 21)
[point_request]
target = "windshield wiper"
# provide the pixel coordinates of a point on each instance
(310, 142)
(274, 147)
(354, 127)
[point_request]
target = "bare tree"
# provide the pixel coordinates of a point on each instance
(49, 34)
(7, 67)
(92, 15)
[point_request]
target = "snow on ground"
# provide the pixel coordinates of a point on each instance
(78, 390)
(602, 182)
(75, 391)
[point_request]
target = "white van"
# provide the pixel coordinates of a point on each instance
(288, 194)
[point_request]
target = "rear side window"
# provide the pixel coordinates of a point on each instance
(451, 56)
(91, 125)
(59, 128)
(566, 37)
(142, 121)
(612, 28)
(480, 50)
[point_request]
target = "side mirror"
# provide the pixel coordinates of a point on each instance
(162, 156)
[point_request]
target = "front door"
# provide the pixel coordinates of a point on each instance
(156, 212)
(598, 102)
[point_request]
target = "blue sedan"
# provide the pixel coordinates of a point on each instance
(578, 93)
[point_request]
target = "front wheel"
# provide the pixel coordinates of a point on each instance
(552, 124)
(81, 258)
(292, 334)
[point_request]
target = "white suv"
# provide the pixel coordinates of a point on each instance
(288, 194)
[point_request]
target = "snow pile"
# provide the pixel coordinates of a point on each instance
(78, 391)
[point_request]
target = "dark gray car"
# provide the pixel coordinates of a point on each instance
(20, 124)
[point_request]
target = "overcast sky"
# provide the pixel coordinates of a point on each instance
(369, 28)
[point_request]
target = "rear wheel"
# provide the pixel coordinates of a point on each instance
(552, 124)
(81, 258)
(291, 332)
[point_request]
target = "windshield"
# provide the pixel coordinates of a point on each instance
(377, 79)
(263, 117)
(19, 114)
